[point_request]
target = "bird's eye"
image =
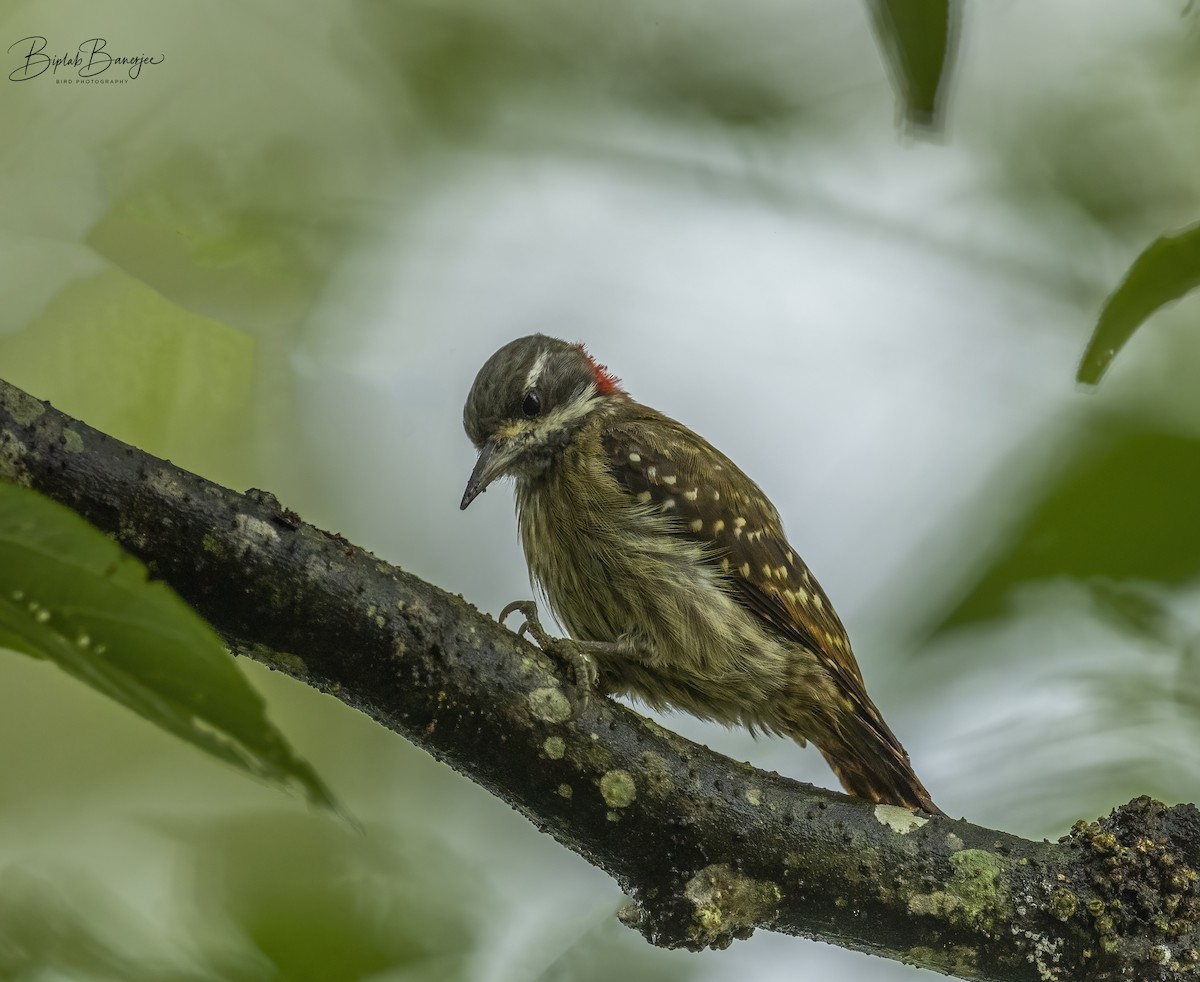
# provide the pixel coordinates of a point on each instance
(532, 404)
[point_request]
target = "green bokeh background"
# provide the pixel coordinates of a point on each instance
(278, 258)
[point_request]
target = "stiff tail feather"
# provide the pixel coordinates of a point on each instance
(871, 763)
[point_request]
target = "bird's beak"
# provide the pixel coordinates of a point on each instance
(493, 458)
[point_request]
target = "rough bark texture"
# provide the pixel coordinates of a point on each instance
(709, 849)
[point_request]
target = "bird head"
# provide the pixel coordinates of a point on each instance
(527, 402)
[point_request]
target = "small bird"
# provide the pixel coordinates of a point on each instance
(669, 566)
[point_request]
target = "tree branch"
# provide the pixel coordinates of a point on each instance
(708, 848)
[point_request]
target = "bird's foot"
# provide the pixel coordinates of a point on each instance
(576, 654)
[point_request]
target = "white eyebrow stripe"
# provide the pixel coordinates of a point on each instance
(566, 415)
(535, 372)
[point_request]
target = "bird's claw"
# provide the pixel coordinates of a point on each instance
(531, 625)
(584, 669)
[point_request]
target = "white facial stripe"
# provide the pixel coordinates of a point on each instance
(562, 417)
(535, 373)
(559, 418)
(520, 435)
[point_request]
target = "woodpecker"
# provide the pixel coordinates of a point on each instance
(669, 567)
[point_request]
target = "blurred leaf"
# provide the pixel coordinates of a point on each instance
(80, 931)
(1133, 609)
(919, 38)
(462, 61)
(1187, 682)
(248, 248)
(1166, 271)
(69, 594)
(113, 351)
(456, 61)
(1124, 511)
(316, 901)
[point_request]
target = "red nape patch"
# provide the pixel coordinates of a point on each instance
(606, 382)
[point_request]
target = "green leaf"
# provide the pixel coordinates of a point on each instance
(1121, 512)
(186, 383)
(70, 595)
(918, 38)
(1166, 271)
